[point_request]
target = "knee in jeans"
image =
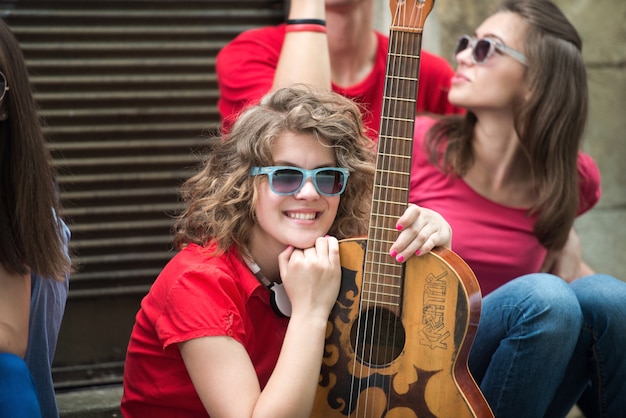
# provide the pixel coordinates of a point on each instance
(551, 297)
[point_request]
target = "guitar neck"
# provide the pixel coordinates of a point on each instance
(393, 161)
(395, 144)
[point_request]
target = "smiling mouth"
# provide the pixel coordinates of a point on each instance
(309, 216)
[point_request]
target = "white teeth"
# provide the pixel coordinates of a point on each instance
(304, 216)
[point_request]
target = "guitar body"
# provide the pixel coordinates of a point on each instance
(391, 363)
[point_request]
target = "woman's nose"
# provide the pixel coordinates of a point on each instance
(464, 56)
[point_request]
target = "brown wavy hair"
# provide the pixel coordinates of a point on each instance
(550, 122)
(221, 197)
(32, 238)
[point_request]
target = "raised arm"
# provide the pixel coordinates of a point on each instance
(304, 57)
(262, 60)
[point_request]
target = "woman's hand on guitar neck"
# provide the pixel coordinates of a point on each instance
(421, 230)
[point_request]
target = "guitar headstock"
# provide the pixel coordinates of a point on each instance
(409, 15)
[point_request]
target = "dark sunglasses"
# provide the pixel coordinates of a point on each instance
(286, 181)
(483, 48)
(3, 85)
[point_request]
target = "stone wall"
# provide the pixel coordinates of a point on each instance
(602, 230)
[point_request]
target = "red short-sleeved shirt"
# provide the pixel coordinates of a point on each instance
(246, 66)
(496, 241)
(197, 294)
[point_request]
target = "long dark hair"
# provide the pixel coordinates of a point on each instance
(32, 238)
(550, 121)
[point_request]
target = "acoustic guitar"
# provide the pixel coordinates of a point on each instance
(399, 335)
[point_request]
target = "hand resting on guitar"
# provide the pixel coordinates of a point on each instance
(422, 229)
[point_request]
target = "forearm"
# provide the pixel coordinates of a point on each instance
(585, 269)
(568, 263)
(304, 57)
(295, 377)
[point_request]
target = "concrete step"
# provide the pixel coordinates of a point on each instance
(104, 402)
(96, 402)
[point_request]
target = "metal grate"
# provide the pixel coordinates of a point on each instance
(127, 90)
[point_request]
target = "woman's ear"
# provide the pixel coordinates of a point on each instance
(527, 94)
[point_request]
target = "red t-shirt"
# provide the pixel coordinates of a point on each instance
(197, 294)
(246, 66)
(496, 241)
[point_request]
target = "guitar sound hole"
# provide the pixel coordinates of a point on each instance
(377, 337)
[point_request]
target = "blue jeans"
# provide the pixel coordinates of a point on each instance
(18, 397)
(543, 345)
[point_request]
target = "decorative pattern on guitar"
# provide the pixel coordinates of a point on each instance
(399, 335)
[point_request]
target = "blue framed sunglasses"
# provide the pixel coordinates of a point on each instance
(287, 181)
(483, 48)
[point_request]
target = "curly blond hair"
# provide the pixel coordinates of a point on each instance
(221, 197)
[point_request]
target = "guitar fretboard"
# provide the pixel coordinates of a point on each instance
(382, 277)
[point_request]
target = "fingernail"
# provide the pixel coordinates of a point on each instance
(400, 259)
(418, 252)
(399, 227)
(393, 253)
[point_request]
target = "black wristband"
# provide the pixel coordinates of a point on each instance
(320, 22)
